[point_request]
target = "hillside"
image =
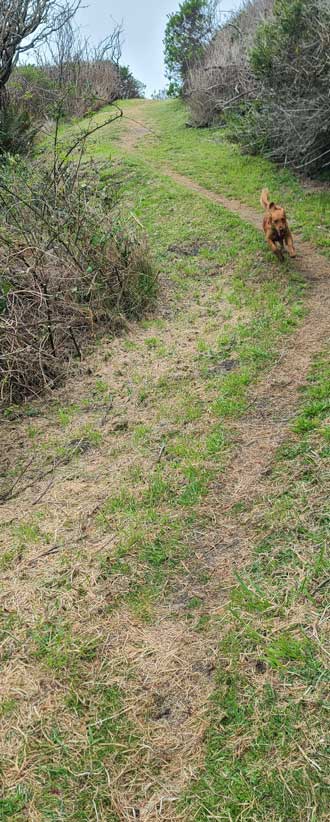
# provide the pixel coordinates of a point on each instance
(165, 528)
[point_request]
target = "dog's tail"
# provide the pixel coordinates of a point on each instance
(264, 199)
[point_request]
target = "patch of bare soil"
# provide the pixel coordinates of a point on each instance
(137, 129)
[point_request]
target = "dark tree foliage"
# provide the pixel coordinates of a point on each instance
(130, 86)
(187, 33)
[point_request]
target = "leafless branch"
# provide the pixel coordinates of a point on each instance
(26, 24)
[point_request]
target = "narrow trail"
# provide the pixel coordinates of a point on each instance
(187, 663)
(275, 399)
(227, 542)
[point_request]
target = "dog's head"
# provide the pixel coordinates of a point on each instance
(278, 218)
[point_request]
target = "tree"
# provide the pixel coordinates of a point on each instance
(129, 86)
(188, 31)
(24, 25)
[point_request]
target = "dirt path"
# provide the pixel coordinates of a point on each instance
(172, 662)
(275, 400)
(225, 544)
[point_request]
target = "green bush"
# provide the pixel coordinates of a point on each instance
(286, 39)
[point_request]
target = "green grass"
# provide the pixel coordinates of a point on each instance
(207, 157)
(23, 536)
(210, 159)
(158, 507)
(271, 307)
(176, 411)
(268, 743)
(72, 780)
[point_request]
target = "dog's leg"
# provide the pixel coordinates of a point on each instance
(290, 246)
(274, 249)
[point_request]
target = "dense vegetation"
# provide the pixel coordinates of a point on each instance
(267, 74)
(127, 500)
(67, 76)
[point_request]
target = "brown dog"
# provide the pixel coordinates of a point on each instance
(276, 227)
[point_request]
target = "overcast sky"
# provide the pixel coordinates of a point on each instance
(144, 23)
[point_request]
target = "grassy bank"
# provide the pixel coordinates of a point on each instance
(109, 611)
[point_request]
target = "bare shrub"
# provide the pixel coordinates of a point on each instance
(267, 76)
(290, 122)
(24, 25)
(70, 263)
(223, 78)
(84, 77)
(72, 78)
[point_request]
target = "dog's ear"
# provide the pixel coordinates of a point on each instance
(271, 205)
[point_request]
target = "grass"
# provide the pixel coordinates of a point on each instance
(206, 156)
(152, 521)
(138, 447)
(268, 743)
(66, 779)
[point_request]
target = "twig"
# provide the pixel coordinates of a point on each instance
(310, 761)
(161, 453)
(51, 482)
(136, 219)
(75, 342)
(52, 550)
(319, 587)
(29, 484)
(7, 494)
(49, 319)
(88, 133)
